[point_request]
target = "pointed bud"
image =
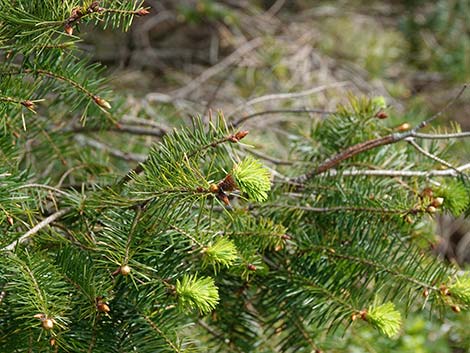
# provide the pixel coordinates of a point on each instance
(426, 293)
(251, 267)
(28, 104)
(10, 220)
(68, 29)
(102, 102)
(431, 209)
(381, 115)
(241, 134)
(455, 308)
(142, 12)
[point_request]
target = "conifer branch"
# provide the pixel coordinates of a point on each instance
(44, 223)
(371, 144)
(330, 252)
(161, 333)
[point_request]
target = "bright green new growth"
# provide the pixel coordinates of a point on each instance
(385, 318)
(253, 179)
(379, 102)
(456, 196)
(197, 293)
(460, 289)
(222, 253)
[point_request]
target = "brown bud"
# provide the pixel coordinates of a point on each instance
(381, 115)
(408, 219)
(47, 324)
(278, 247)
(142, 12)
(444, 290)
(68, 29)
(10, 220)
(427, 192)
(354, 317)
(426, 293)
(28, 104)
(102, 102)
(251, 267)
(213, 188)
(363, 314)
(94, 7)
(223, 197)
(455, 308)
(228, 184)
(103, 307)
(52, 341)
(286, 237)
(431, 209)
(437, 202)
(241, 134)
(404, 127)
(125, 270)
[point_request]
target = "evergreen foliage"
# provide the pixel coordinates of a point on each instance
(171, 256)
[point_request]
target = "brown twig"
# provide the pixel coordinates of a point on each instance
(371, 144)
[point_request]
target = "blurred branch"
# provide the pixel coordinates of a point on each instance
(214, 70)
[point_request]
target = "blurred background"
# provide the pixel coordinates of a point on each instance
(283, 62)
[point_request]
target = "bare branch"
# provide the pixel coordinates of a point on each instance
(44, 223)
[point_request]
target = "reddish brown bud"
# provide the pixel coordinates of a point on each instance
(52, 341)
(455, 308)
(222, 196)
(228, 184)
(101, 102)
(426, 293)
(68, 29)
(142, 12)
(103, 307)
(10, 220)
(28, 104)
(251, 267)
(241, 134)
(381, 115)
(427, 192)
